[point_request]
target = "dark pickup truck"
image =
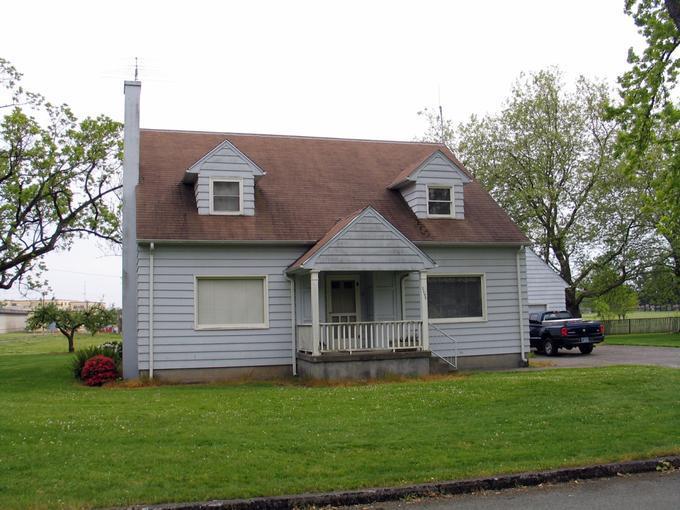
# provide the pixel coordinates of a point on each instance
(550, 331)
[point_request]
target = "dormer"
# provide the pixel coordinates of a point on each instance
(224, 182)
(433, 188)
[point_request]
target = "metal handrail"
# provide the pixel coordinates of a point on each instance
(453, 363)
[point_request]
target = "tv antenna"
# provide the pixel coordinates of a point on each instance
(136, 69)
(441, 115)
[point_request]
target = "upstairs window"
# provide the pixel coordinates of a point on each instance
(226, 196)
(439, 202)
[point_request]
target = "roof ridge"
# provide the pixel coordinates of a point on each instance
(304, 137)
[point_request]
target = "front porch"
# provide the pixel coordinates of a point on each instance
(366, 324)
(360, 312)
(361, 297)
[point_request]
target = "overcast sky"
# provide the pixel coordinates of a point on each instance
(342, 69)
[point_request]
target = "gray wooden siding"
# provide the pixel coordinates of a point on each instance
(303, 299)
(379, 294)
(500, 333)
(436, 171)
(544, 285)
(384, 295)
(225, 163)
(176, 343)
(369, 243)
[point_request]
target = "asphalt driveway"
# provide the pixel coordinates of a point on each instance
(604, 355)
(650, 491)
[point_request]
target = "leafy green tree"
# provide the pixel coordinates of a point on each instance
(58, 179)
(659, 287)
(67, 321)
(548, 160)
(612, 301)
(649, 116)
(617, 302)
(97, 317)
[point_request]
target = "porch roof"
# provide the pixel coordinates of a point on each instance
(363, 240)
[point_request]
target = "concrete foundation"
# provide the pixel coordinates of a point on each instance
(337, 366)
(207, 375)
(489, 362)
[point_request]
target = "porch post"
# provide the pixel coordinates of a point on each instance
(424, 316)
(314, 275)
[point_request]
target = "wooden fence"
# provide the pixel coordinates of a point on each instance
(651, 325)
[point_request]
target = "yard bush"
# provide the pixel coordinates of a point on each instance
(99, 370)
(113, 350)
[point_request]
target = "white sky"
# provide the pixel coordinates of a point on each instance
(346, 69)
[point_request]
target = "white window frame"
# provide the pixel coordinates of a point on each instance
(449, 320)
(240, 196)
(451, 202)
(265, 291)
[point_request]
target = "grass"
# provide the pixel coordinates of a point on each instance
(63, 445)
(47, 343)
(638, 315)
(646, 339)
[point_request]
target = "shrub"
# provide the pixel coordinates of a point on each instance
(113, 350)
(99, 370)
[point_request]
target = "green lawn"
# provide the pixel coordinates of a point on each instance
(638, 315)
(48, 343)
(646, 339)
(63, 445)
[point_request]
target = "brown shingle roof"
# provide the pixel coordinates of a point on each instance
(310, 184)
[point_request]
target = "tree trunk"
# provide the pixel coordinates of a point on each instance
(673, 8)
(573, 306)
(70, 342)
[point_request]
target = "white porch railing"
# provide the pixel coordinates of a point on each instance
(370, 336)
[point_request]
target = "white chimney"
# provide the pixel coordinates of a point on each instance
(132, 91)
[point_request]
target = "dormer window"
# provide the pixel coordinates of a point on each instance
(226, 196)
(439, 201)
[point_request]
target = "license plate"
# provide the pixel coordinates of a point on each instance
(585, 340)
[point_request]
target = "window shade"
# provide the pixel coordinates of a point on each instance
(230, 301)
(451, 297)
(226, 196)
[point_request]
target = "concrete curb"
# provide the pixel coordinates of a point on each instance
(367, 496)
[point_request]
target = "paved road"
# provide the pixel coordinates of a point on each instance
(614, 355)
(648, 491)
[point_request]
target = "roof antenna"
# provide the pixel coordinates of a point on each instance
(441, 114)
(136, 69)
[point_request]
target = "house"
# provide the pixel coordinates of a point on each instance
(545, 287)
(265, 256)
(12, 320)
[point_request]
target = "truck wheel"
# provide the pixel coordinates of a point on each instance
(585, 349)
(549, 347)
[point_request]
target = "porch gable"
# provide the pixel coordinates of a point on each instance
(364, 241)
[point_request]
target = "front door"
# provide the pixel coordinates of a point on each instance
(343, 299)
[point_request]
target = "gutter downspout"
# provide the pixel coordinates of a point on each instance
(151, 309)
(520, 306)
(293, 325)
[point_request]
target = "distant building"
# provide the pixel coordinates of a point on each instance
(12, 320)
(30, 304)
